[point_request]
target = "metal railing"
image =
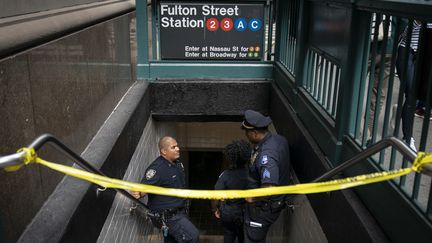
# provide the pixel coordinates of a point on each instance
(395, 143)
(322, 80)
(17, 158)
(288, 15)
(389, 99)
(350, 81)
(38, 143)
(141, 211)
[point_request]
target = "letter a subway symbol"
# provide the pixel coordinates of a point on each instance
(240, 24)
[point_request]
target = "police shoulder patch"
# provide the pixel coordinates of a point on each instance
(150, 174)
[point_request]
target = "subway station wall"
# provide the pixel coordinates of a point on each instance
(67, 88)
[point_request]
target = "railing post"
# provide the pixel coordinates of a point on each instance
(301, 43)
(143, 69)
(351, 73)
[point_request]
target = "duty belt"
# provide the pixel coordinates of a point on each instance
(270, 205)
(167, 213)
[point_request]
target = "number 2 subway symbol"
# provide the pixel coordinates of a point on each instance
(212, 24)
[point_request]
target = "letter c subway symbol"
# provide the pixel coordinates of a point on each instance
(254, 24)
(240, 24)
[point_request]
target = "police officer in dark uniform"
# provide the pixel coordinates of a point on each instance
(270, 166)
(168, 213)
(230, 212)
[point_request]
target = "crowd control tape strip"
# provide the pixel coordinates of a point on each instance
(421, 160)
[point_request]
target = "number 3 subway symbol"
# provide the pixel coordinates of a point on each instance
(226, 24)
(212, 24)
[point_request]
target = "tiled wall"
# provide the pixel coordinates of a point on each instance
(67, 88)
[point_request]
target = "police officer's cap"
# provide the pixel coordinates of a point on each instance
(255, 120)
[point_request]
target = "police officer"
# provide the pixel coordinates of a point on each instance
(270, 165)
(168, 213)
(230, 212)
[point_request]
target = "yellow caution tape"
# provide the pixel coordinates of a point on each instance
(30, 156)
(306, 188)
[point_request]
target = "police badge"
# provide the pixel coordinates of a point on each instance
(264, 160)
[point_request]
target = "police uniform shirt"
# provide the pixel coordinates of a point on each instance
(270, 163)
(233, 179)
(164, 173)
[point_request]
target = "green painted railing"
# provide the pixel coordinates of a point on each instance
(288, 12)
(340, 65)
(322, 80)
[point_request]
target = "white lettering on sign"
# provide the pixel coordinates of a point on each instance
(184, 22)
(223, 54)
(177, 10)
(191, 48)
(215, 11)
(193, 30)
(206, 10)
(219, 48)
(192, 54)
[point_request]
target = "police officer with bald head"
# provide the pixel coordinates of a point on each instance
(269, 166)
(166, 212)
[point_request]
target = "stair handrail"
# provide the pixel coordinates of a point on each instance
(39, 142)
(398, 144)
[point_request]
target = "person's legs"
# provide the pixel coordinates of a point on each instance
(232, 222)
(420, 109)
(181, 229)
(229, 228)
(379, 94)
(407, 76)
(257, 221)
(157, 223)
(239, 229)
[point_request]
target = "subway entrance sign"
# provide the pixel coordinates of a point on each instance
(211, 31)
